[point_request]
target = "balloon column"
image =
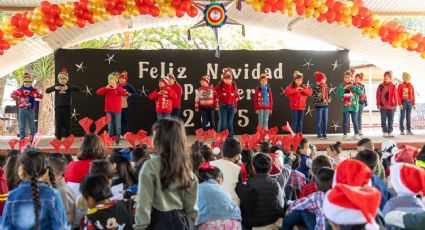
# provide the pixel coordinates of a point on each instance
(351, 13)
(48, 17)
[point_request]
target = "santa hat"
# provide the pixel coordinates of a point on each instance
(206, 79)
(348, 73)
(360, 75)
(164, 80)
(277, 162)
(389, 73)
(171, 76)
(407, 154)
(124, 75)
(319, 76)
(114, 76)
(63, 74)
(227, 73)
(351, 205)
(352, 172)
(297, 74)
(27, 77)
(263, 76)
(407, 179)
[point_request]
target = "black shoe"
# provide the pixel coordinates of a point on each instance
(319, 137)
(325, 137)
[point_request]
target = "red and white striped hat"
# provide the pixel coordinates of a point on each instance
(206, 78)
(351, 205)
(352, 172)
(407, 178)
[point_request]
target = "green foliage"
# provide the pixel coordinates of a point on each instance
(411, 23)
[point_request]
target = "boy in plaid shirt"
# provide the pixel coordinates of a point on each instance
(296, 179)
(309, 209)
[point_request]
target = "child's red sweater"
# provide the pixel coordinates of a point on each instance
(258, 99)
(113, 101)
(227, 93)
(298, 98)
(178, 91)
(387, 96)
(163, 102)
(406, 92)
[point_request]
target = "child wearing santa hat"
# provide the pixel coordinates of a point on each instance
(26, 96)
(206, 102)
(387, 101)
(163, 98)
(406, 93)
(228, 96)
(321, 100)
(349, 94)
(113, 104)
(131, 91)
(63, 101)
(362, 100)
(263, 101)
(408, 181)
(297, 94)
(178, 91)
(352, 207)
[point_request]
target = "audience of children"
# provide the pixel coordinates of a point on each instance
(242, 190)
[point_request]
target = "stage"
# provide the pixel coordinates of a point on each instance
(416, 140)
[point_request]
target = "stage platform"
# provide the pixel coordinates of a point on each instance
(417, 140)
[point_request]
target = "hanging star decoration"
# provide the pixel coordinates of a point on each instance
(74, 114)
(110, 59)
(87, 91)
(308, 84)
(282, 91)
(80, 67)
(309, 111)
(335, 125)
(308, 63)
(332, 89)
(143, 91)
(215, 16)
(335, 65)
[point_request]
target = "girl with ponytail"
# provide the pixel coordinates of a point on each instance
(34, 194)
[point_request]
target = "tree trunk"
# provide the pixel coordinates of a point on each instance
(46, 119)
(2, 87)
(126, 40)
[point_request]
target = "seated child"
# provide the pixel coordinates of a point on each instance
(334, 152)
(318, 163)
(296, 179)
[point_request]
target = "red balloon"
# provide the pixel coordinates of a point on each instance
(55, 10)
(1, 34)
(121, 6)
(28, 33)
(176, 3)
(338, 6)
(49, 20)
(357, 21)
(15, 21)
(266, 8)
(1, 52)
(308, 3)
(59, 22)
(179, 12)
(144, 9)
(23, 23)
(18, 33)
(109, 5)
(81, 23)
(330, 4)
(4, 45)
(114, 12)
(420, 47)
(154, 11)
(280, 5)
(392, 36)
(392, 25)
(185, 6)
(150, 3)
(45, 7)
(417, 37)
(79, 12)
(385, 39)
(300, 10)
(367, 21)
(383, 32)
(338, 17)
(193, 11)
(53, 28)
(321, 18)
(330, 16)
(299, 2)
(274, 9)
(364, 12)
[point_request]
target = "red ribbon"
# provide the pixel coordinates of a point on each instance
(205, 167)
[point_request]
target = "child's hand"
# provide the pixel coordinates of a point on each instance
(57, 88)
(65, 88)
(414, 107)
(401, 107)
(256, 111)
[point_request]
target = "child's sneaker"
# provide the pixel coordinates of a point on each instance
(325, 137)
(390, 135)
(346, 138)
(410, 133)
(356, 137)
(385, 135)
(402, 132)
(360, 132)
(319, 137)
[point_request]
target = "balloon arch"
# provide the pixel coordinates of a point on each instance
(48, 17)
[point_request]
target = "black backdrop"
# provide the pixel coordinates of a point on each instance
(145, 67)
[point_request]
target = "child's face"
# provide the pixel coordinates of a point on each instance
(387, 78)
(298, 81)
(112, 82)
(329, 152)
(347, 78)
(171, 81)
(203, 84)
(406, 78)
(161, 84)
(228, 80)
(27, 84)
(122, 80)
(89, 202)
(358, 79)
(219, 180)
(63, 81)
(263, 81)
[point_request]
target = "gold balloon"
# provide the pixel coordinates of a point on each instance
(8, 37)
(171, 12)
(126, 14)
(292, 13)
(131, 3)
(33, 27)
(38, 17)
(317, 3)
(8, 29)
(29, 15)
(354, 10)
(97, 18)
(316, 13)
(69, 5)
(292, 6)
(423, 54)
(396, 44)
(346, 11)
(374, 33)
(68, 25)
(256, 6)
(135, 12)
(249, 1)
(323, 9)
(309, 12)
(37, 10)
(405, 44)
(365, 31)
(13, 42)
(401, 37)
(376, 23)
(106, 16)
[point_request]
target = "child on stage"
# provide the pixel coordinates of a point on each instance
(349, 94)
(362, 100)
(228, 96)
(321, 101)
(205, 101)
(131, 91)
(263, 101)
(26, 96)
(63, 101)
(387, 101)
(178, 91)
(297, 94)
(163, 98)
(113, 104)
(406, 93)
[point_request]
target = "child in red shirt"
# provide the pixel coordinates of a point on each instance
(26, 97)
(297, 94)
(263, 102)
(163, 97)
(205, 101)
(228, 96)
(362, 100)
(178, 91)
(387, 101)
(406, 93)
(113, 104)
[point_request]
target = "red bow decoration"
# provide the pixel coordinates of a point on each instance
(296, 140)
(244, 141)
(36, 139)
(287, 128)
(286, 143)
(406, 154)
(131, 138)
(147, 141)
(102, 122)
(205, 167)
(273, 131)
(86, 124)
(261, 131)
(142, 134)
(199, 133)
(222, 136)
(23, 143)
(67, 142)
(56, 144)
(106, 139)
(12, 143)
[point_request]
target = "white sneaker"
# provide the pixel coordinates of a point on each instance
(385, 135)
(390, 135)
(402, 133)
(410, 133)
(360, 132)
(356, 137)
(346, 138)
